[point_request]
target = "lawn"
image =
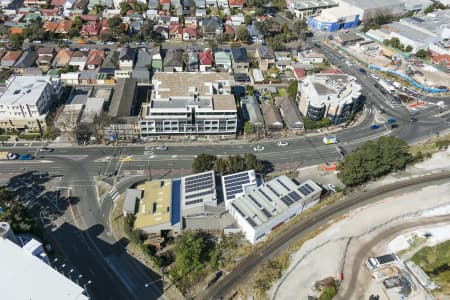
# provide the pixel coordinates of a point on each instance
(435, 261)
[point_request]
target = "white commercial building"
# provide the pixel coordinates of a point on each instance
(272, 204)
(24, 276)
(185, 103)
(237, 184)
(368, 9)
(305, 8)
(25, 101)
(197, 191)
(331, 96)
(422, 32)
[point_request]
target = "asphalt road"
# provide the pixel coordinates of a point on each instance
(352, 285)
(227, 285)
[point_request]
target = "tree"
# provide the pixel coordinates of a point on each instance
(203, 162)
(285, 29)
(16, 214)
(115, 20)
(219, 166)
(106, 36)
(421, 53)
(249, 128)
(248, 20)
(374, 159)
(408, 48)
(292, 89)
(251, 162)
(123, 8)
(242, 34)
(289, 15)
(276, 42)
(328, 293)
(300, 25)
(15, 40)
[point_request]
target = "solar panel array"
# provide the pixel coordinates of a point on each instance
(234, 184)
(198, 183)
(251, 222)
(306, 189)
(194, 201)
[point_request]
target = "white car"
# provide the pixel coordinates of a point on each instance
(348, 63)
(374, 76)
(161, 148)
(84, 49)
(282, 144)
(331, 187)
(258, 148)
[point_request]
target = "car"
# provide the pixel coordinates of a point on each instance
(12, 156)
(330, 139)
(412, 119)
(258, 148)
(374, 76)
(37, 42)
(25, 157)
(45, 149)
(331, 187)
(110, 43)
(374, 126)
(348, 63)
(282, 144)
(362, 70)
(391, 121)
(84, 49)
(161, 148)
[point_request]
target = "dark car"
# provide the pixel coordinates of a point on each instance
(25, 157)
(374, 126)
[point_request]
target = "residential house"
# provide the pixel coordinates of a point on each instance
(161, 32)
(127, 57)
(50, 26)
(173, 61)
(251, 112)
(165, 4)
(200, 3)
(211, 3)
(64, 26)
(290, 113)
(141, 71)
(62, 58)
(192, 61)
(190, 33)
(265, 57)
(222, 61)
(272, 117)
(157, 62)
(88, 77)
(49, 13)
(206, 60)
(90, 30)
(283, 60)
(212, 27)
(240, 60)
(310, 57)
(175, 31)
(228, 33)
(255, 35)
(26, 61)
(200, 13)
(79, 59)
(10, 58)
(190, 21)
(188, 4)
(222, 4)
(153, 4)
(70, 78)
(237, 20)
(442, 60)
(57, 3)
(236, 3)
(95, 59)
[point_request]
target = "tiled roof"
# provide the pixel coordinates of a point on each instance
(205, 58)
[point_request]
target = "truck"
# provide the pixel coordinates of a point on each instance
(8, 156)
(387, 86)
(379, 261)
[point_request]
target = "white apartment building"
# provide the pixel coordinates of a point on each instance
(331, 96)
(25, 101)
(189, 103)
(305, 8)
(272, 204)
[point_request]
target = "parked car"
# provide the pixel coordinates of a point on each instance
(45, 149)
(258, 148)
(374, 76)
(282, 144)
(84, 49)
(362, 70)
(25, 157)
(374, 126)
(391, 121)
(161, 148)
(331, 187)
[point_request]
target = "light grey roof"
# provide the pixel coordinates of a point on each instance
(251, 111)
(144, 58)
(289, 112)
(123, 98)
(131, 198)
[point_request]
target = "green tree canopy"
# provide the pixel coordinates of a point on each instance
(242, 34)
(292, 89)
(374, 159)
(203, 162)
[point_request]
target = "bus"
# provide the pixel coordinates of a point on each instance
(329, 139)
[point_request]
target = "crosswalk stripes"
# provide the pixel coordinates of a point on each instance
(114, 194)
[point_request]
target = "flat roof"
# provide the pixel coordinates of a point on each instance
(198, 189)
(155, 205)
(366, 4)
(235, 185)
(123, 97)
(273, 198)
(224, 102)
(24, 90)
(25, 276)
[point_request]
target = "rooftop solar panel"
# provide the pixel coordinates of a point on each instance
(251, 222)
(266, 213)
(304, 191)
(193, 202)
(273, 190)
(283, 185)
(286, 200)
(294, 196)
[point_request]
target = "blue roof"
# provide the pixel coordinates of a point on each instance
(175, 218)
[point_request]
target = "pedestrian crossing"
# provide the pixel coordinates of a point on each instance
(114, 194)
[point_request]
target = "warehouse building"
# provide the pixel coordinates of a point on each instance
(198, 192)
(271, 205)
(305, 8)
(331, 96)
(334, 19)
